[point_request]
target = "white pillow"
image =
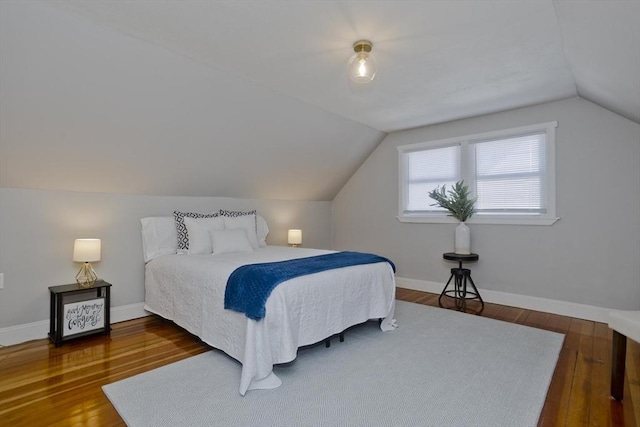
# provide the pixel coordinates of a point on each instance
(159, 236)
(198, 232)
(228, 241)
(263, 230)
(248, 223)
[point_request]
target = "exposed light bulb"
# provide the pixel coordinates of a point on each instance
(362, 69)
(362, 65)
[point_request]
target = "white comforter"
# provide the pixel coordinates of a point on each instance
(189, 290)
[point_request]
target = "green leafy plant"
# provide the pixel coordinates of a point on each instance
(456, 200)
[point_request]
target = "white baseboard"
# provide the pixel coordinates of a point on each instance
(128, 312)
(38, 330)
(564, 308)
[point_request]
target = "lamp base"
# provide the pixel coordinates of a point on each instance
(86, 277)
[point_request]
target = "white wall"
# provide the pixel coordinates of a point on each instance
(591, 256)
(38, 227)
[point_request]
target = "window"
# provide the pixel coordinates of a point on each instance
(511, 172)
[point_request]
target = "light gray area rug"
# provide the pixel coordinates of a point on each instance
(439, 368)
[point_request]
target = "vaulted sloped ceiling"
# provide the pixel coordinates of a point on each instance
(251, 99)
(602, 44)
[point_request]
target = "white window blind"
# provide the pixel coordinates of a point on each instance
(511, 172)
(510, 175)
(428, 169)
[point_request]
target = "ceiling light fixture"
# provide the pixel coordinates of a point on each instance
(362, 65)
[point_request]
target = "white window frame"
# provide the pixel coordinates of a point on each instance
(547, 218)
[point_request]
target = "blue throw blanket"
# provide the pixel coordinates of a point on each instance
(249, 286)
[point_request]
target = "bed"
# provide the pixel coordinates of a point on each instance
(189, 290)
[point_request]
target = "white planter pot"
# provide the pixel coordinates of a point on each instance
(462, 242)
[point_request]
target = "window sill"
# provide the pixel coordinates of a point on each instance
(506, 220)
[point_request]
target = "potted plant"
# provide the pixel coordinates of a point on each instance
(461, 207)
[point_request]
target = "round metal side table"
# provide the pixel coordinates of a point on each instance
(461, 276)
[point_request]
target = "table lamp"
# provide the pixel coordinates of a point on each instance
(295, 237)
(86, 251)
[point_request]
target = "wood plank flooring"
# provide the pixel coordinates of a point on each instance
(41, 385)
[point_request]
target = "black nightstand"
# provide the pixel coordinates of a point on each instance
(459, 293)
(77, 312)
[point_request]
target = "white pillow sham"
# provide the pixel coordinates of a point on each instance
(263, 230)
(159, 236)
(230, 241)
(198, 232)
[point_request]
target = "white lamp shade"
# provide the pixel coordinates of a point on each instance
(295, 237)
(87, 250)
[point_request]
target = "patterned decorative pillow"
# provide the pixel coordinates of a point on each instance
(235, 214)
(181, 228)
(262, 229)
(235, 222)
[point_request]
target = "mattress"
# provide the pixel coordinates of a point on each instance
(189, 290)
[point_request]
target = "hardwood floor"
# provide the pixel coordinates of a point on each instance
(41, 385)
